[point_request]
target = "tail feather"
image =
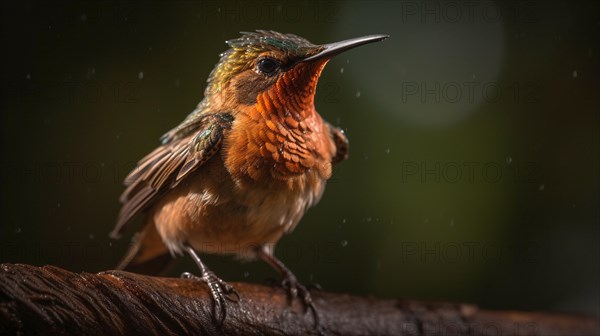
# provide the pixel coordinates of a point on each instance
(147, 254)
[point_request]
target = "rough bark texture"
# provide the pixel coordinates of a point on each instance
(49, 300)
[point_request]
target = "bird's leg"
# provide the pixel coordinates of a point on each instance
(289, 282)
(219, 289)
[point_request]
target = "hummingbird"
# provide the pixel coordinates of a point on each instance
(242, 168)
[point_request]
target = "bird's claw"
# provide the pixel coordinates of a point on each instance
(314, 286)
(297, 290)
(219, 290)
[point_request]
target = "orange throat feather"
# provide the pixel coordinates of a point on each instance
(283, 132)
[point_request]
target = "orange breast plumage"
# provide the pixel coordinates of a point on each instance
(282, 132)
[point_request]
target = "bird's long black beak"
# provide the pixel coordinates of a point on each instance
(332, 49)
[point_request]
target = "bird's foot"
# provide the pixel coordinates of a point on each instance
(219, 290)
(290, 284)
(297, 290)
(314, 286)
(273, 282)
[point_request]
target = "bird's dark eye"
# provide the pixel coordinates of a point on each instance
(268, 66)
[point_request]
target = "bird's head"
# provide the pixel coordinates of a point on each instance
(278, 70)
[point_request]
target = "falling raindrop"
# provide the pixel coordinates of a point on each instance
(18, 230)
(344, 243)
(542, 187)
(246, 274)
(344, 220)
(28, 76)
(387, 151)
(509, 159)
(141, 75)
(452, 222)
(574, 73)
(342, 70)
(357, 94)
(58, 205)
(91, 236)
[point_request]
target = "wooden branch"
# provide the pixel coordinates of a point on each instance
(49, 300)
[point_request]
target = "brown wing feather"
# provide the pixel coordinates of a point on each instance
(341, 144)
(168, 165)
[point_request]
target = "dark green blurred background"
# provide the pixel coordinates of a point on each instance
(473, 173)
